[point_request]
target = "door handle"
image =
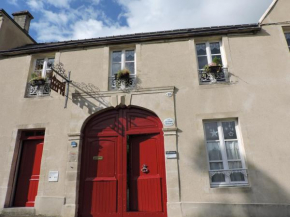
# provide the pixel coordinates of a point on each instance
(144, 169)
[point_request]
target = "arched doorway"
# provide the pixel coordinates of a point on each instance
(122, 165)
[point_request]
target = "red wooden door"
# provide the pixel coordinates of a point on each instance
(145, 185)
(116, 145)
(28, 172)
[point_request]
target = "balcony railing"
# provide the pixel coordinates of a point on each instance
(38, 90)
(116, 84)
(213, 77)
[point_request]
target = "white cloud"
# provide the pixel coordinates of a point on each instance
(35, 5)
(13, 2)
(141, 16)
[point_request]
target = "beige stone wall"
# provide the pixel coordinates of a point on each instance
(10, 35)
(279, 13)
(257, 95)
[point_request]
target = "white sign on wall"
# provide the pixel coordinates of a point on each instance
(168, 122)
(171, 154)
(53, 176)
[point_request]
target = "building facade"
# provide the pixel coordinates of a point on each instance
(199, 126)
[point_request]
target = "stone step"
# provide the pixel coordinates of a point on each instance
(18, 211)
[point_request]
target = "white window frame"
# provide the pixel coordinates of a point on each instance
(288, 33)
(122, 60)
(45, 67)
(209, 55)
(226, 169)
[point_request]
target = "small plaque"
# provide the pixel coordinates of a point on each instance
(74, 144)
(98, 158)
(53, 176)
(169, 94)
(168, 122)
(171, 155)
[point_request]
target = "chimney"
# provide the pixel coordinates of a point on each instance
(23, 19)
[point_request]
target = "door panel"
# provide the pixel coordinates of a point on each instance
(145, 188)
(28, 173)
(100, 180)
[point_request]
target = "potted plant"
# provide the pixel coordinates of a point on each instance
(215, 66)
(123, 74)
(37, 80)
(122, 79)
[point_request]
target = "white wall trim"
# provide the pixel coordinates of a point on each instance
(267, 11)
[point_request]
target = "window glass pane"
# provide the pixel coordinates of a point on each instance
(288, 38)
(129, 55)
(211, 131)
(229, 130)
(216, 166)
(48, 74)
(50, 62)
(233, 151)
(201, 49)
(215, 48)
(130, 66)
(219, 177)
(116, 56)
(202, 61)
(39, 64)
(218, 56)
(115, 68)
(214, 151)
(235, 165)
(237, 177)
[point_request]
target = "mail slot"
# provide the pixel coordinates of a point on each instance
(98, 158)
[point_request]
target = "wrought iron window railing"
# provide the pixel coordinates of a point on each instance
(213, 77)
(38, 90)
(121, 84)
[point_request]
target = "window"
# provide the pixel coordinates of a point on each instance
(206, 52)
(42, 67)
(122, 60)
(39, 79)
(287, 35)
(225, 154)
(211, 63)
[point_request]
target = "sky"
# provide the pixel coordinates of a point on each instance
(60, 20)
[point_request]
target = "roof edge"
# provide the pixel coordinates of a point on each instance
(134, 38)
(16, 24)
(267, 11)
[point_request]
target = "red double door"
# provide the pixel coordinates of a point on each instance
(122, 167)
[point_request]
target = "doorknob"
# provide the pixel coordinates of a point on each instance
(144, 169)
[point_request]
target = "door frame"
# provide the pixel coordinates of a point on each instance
(17, 157)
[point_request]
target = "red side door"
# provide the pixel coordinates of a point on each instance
(28, 172)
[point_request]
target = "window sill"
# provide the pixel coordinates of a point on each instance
(245, 185)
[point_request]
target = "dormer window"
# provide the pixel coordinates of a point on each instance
(40, 77)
